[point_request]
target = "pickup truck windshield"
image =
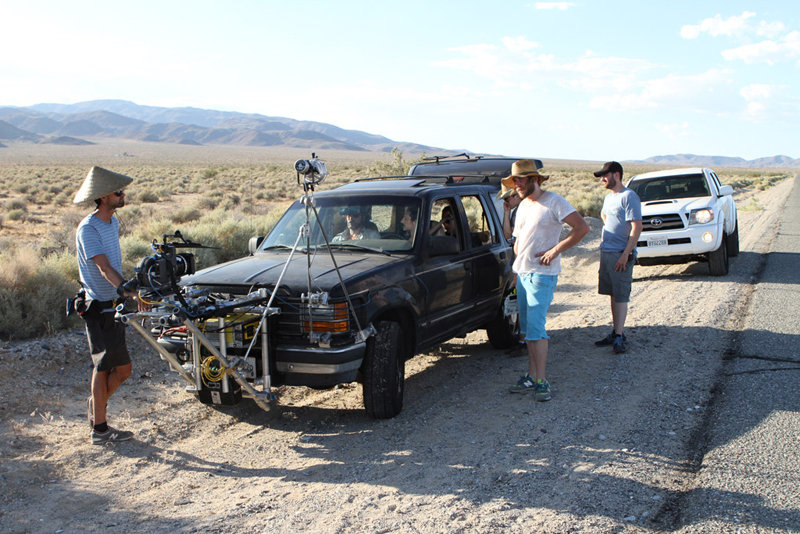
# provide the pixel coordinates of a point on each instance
(383, 224)
(671, 187)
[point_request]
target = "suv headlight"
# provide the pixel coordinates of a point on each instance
(701, 216)
(333, 318)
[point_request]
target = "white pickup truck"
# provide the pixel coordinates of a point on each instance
(687, 215)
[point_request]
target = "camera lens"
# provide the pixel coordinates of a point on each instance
(303, 166)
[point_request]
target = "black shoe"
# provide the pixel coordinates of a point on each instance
(609, 339)
(620, 344)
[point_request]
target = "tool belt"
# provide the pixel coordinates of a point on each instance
(88, 308)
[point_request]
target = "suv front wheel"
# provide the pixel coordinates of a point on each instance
(718, 259)
(383, 372)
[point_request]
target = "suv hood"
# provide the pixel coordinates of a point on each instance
(264, 268)
(674, 206)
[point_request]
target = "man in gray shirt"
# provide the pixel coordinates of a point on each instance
(100, 268)
(622, 225)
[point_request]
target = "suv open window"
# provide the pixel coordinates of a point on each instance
(481, 231)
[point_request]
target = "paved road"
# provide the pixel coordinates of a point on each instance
(749, 478)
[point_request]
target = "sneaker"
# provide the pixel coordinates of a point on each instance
(620, 344)
(112, 434)
(542, 390)
(89, 412)
(525, 384)
(609, 339)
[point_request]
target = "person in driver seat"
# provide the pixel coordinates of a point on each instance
(356, 226)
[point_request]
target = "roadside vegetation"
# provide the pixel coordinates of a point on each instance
(218, 204)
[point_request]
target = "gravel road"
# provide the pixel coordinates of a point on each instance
(614, 451)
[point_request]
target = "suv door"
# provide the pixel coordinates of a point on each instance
(488, 255)
(444, 272)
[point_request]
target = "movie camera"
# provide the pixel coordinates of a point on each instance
(160, 273)
(312, 170)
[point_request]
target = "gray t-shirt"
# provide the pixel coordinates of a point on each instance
(94, 237)
(619, 210)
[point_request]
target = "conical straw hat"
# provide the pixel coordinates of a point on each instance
(99, 183)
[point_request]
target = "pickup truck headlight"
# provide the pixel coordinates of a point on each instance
(701, 216)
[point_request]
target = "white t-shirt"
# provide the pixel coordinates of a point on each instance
(538, 229)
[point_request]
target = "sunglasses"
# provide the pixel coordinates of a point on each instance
(120, 192)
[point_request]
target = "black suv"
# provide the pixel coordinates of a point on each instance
(429, 263)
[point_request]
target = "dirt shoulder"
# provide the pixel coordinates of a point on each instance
(610, 452)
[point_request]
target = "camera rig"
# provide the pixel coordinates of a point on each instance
(222, 371)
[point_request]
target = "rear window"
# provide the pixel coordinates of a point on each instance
(669, 187)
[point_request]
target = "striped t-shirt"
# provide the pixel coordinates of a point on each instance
(93, 237)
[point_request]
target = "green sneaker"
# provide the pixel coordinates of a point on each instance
(542, 390)
(525, 384)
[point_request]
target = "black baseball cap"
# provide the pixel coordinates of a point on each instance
(610, 166)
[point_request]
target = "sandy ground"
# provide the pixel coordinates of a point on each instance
(610, 453)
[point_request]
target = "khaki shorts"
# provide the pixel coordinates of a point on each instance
(107, 342)
(615, 283)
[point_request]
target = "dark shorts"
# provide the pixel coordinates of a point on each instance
(107, 342)
(615, 283)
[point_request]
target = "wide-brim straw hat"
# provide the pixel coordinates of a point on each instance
(99, 183)
(506, 191)
(523, 168)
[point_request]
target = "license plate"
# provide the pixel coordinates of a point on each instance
(657, 242)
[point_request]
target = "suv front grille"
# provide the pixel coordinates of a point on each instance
(668, 221)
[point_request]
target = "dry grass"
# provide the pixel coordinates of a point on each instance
(218, 196)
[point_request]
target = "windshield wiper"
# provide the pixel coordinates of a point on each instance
(360, 247)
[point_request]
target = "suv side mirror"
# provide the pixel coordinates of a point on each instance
(725, 190)
(254, 243)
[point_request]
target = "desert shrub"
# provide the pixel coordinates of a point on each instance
(185, 215)
(16, 204)
(147, 195)
(16, 215)
(397, 166)
(33, 291)
(210, 172)
(586, 203)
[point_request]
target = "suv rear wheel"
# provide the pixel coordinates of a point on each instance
(503, 330)
(383, 372)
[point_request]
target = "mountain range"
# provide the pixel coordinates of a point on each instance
(77, 124)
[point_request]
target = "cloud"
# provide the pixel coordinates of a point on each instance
(674, 130)
(716, 26)
(769, 52)
(561, 6)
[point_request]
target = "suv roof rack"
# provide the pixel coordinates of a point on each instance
(465, 164)
(460, 179)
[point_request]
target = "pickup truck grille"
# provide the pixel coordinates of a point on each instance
(668, 221)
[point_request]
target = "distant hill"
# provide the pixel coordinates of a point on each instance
(72, 124)
(69, 123)
(692, 160)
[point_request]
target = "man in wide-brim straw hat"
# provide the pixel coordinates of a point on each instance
(538, 247)
(100, 268)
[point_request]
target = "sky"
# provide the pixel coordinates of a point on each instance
(587, 80)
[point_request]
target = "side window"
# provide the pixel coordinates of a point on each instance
(481, 230)
(444, 223)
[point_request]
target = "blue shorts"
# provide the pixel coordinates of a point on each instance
(534, 295)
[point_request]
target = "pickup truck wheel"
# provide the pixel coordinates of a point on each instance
(383, 374)
(502, 332)
(718, 259)
(733, 241)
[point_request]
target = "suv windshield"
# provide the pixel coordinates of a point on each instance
(385, 224)
(670, 187)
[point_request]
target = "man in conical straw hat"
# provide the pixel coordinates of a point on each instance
(100, 267)
(538, 247)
